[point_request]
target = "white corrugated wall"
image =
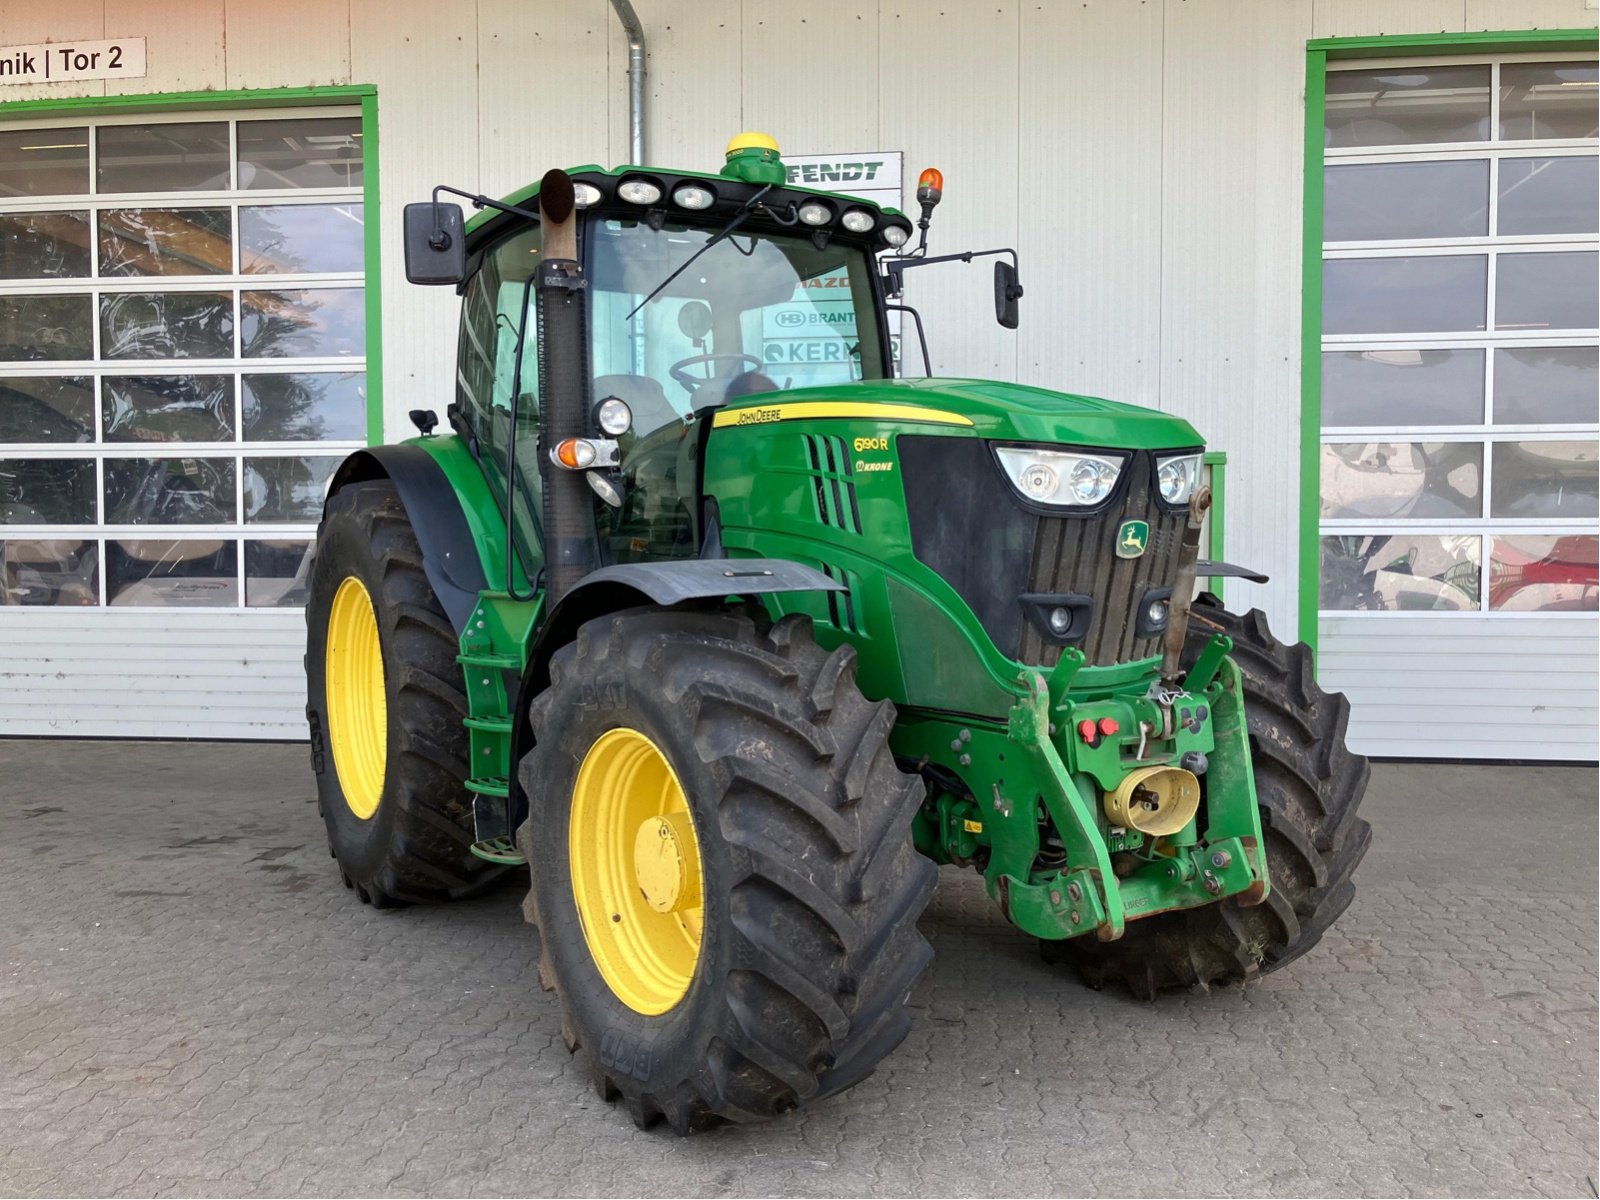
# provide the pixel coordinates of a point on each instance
(1144, 156)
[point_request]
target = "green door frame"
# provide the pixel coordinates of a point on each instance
(366, 95)
(1319, 53)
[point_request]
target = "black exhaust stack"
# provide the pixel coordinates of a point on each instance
(569, 531)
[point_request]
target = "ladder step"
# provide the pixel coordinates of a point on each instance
(488, 724)
(499, 850)
(489, 785)
(510, 662)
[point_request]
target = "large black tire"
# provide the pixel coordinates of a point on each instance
(812, 887)
(1308, 785)
(415, 846)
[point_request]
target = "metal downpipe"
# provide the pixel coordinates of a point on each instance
(636, 51)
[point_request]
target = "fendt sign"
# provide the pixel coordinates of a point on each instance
(64, 62)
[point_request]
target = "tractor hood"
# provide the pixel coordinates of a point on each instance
(1001, 411)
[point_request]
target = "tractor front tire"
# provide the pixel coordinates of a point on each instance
(385, 702)
(723, 875)
(1308, 786)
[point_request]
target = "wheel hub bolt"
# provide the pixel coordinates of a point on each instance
(1075, 891)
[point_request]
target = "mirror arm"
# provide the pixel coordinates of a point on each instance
(441, 240)
(894, 269)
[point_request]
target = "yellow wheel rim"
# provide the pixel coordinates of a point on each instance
(636, 876)
(358, 711)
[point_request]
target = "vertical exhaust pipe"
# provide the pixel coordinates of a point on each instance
(636, 49)
(569, 532)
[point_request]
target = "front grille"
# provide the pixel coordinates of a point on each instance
(1077, 554)
(969, 526)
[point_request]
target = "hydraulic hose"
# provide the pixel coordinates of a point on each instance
(1183, 586)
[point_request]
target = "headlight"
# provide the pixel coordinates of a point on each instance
(585, 194)
(857, 220)
(813, 213)
(1177, 477)
(1060, 477)
(639, 191)
(896, 235)
(613, 416)
(693, 196)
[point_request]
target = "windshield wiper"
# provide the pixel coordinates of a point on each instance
(745, 210)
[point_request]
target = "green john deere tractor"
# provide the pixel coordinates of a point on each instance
(731, 634)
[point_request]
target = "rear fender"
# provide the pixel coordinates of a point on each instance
(456, 562)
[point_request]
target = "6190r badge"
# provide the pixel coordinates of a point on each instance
(1132, 539)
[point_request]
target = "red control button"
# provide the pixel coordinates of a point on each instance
(1086, 730)
(1108, 725)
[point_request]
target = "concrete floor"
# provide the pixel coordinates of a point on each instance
(191, 1004)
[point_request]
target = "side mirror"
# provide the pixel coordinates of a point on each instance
(436, 244)
(1007, 291)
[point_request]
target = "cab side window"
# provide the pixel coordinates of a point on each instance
(491, 313)
(486, 371)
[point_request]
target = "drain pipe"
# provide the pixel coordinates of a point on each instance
(635, 32)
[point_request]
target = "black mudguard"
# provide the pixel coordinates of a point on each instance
(449, 552)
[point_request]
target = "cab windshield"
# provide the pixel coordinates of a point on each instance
(754, 313)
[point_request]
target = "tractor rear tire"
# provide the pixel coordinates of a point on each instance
(1308, 786)
(786, 973)
(391, 758)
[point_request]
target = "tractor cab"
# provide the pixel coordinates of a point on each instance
(696, 286)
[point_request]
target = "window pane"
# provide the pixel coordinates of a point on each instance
(1546, 291)
(300, 237)
(1547, 385)
(1549, 195)
(1548, 100)
(49, 571)
(184, 157)
(169, 491)
(1402, 387)
(44, 408)
(1401, 106)
(1401, 572)
(1543, 574)
(1545, 479)
(307, 152)
(44, 162)
(166, 241)
(1406, 200)
(46, 328)
(168, 408)
(275, 573)
(167, 574)
(1422, 294)
(305, 407)
(47, 491)
(286, 489)
(320, 323)
(1402, 479)
(166, 325)
(44, 245)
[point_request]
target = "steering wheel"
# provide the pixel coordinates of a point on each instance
(691, 384)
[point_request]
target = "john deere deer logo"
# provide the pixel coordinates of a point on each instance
(1132, 539)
